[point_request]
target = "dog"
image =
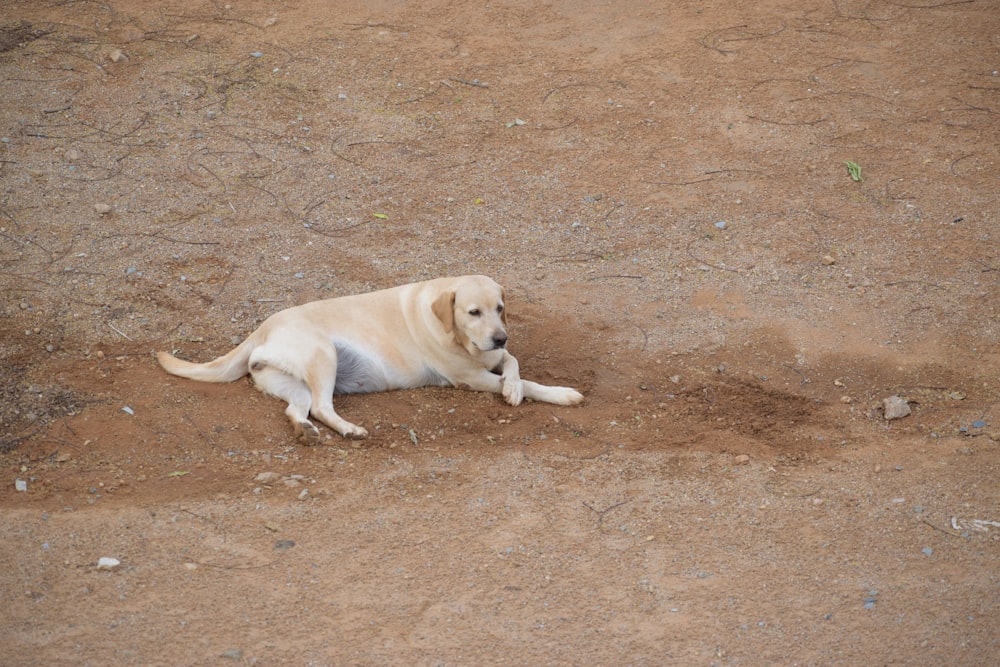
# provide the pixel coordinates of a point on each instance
(442, 332)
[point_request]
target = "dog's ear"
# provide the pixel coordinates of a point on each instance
(503, 300)
(444, 310)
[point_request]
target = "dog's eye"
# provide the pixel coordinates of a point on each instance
(500, 308)
(475, 312)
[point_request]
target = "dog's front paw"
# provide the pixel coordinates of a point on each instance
(571, 396)
(513, 390)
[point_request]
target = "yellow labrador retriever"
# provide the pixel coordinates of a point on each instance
(449, 331)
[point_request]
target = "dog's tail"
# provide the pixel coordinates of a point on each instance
(228, 367)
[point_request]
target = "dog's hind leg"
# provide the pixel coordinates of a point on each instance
(293, 391)
(321, 376)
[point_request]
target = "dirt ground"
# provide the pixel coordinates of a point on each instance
(663, 189)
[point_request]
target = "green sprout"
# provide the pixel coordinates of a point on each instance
(855, 170)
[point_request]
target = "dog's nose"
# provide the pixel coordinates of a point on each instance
(499, 340)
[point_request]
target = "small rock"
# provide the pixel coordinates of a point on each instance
(927, 551)
(20, 485)
(845, 399)
(304, 494)
(101, 208)
(267, 477)
(117, 56)
(281, 545)
(232, 654)
(721, 224)
(829, 260)
(73, 154)
(105, 563)
(292, 483)
(895, 407)
(741, 460)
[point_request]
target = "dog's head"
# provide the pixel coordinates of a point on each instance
(473, 311)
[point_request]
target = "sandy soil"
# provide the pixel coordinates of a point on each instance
(663, 190)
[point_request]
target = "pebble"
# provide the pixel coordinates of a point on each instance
(117, 56)
(267, 477)
(979, 423)
(895, 407)
(871, 599)
(741, 460)
(105, 563)
(927, 551)
(829, 260)
(20, 485)
(304, 494)
(721, 224)
(101, 208)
